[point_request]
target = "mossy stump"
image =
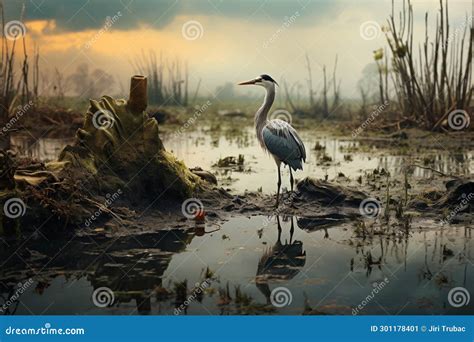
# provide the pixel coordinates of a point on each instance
(117, 151)
(120, 146)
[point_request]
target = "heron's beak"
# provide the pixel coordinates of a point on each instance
(248, 82)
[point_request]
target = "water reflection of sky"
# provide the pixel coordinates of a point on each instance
(199, 149)
(325, 271)
(202, 148)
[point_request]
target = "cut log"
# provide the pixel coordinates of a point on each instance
(138, 100)
(117, 150)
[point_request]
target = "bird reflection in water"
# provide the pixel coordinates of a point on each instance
(281, 262)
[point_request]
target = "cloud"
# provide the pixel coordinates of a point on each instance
(79, 15)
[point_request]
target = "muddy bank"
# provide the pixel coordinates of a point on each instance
(60, 198)
(320, 204)
(117, 156)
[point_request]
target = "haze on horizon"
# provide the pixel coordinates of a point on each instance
(236, 40)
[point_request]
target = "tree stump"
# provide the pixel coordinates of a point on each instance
(117, 151)
(120, 145)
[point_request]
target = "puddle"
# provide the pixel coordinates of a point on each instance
(323, 269)
(199, 149)
(44, 149)
(203, 149)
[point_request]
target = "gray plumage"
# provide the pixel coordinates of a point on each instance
(283, 142)
(276, 136)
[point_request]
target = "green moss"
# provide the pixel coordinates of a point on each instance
(126, 151)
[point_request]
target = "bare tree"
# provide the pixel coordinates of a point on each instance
(10, 86)
(310, 82)
(168, 82)
(59, 84)
(91, 84)
(441, 80)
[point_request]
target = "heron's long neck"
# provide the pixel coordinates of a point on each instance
(262, 112)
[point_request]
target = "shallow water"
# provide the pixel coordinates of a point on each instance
(44, 149)
(197, 148)
(323, 269)
(203, 149)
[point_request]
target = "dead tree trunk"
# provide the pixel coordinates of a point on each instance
(138, 100)
(325, 94)
(310, 83)
(121, 145)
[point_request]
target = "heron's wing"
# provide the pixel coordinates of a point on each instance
(299, 142)
(283, 141)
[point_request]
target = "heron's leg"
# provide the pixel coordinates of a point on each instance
(292, 230)
(279, 228)
(278, 184)
(291, 178)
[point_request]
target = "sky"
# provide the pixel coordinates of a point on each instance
(222, 41)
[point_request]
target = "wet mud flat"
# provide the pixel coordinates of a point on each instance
(400, 253)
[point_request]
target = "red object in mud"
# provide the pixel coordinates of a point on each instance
(200, 215)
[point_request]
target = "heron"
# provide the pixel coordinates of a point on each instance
(276, 136)
(283, 261)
